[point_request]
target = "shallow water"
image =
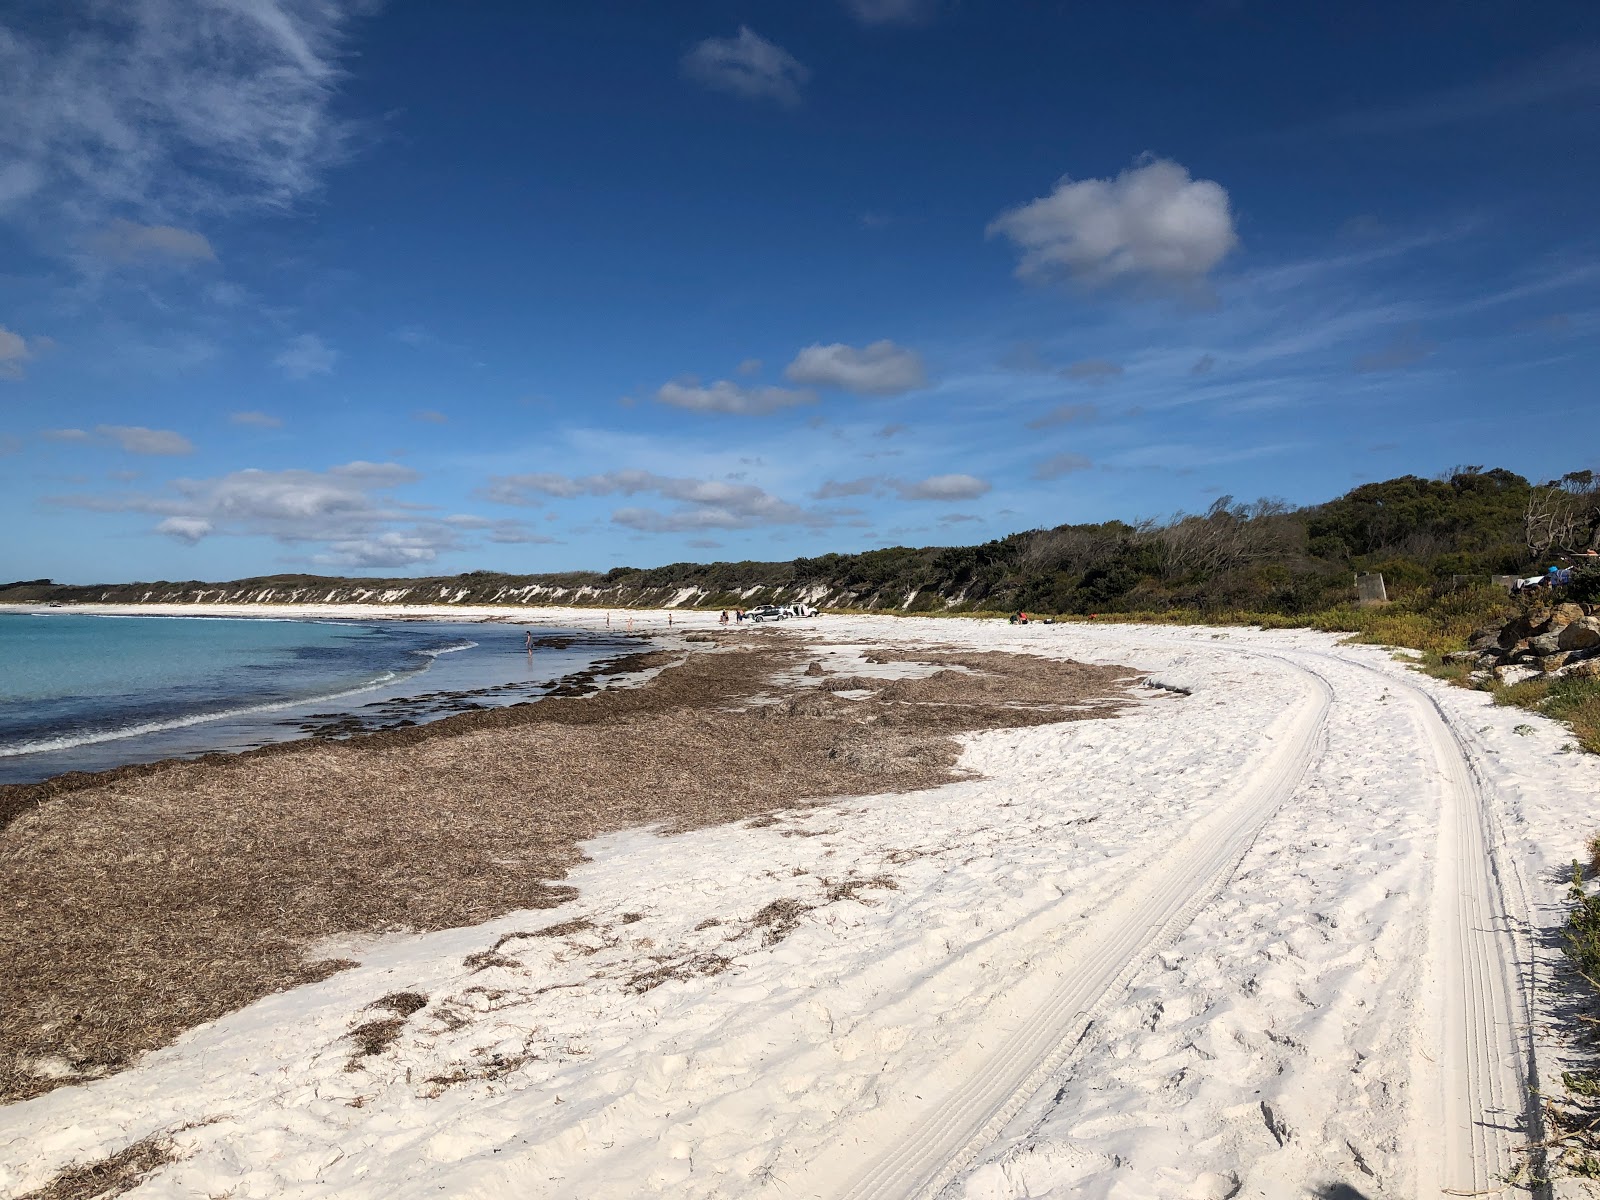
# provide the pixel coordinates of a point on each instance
(82, 692)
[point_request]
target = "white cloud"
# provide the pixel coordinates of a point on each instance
(136, 439)
(159, 108)
(935, 487)
(256, 420)
(129, 242)
(15, 354)
(725, 396)
(943, 487)
(1151, 223)
(185, 529)
(305, 356)
(345, 510)
(65, 435)
(750, 366)
(879, 369)
(1061, 464)
(893, 12)
(391, 549)
(702, 503)
(747, 65)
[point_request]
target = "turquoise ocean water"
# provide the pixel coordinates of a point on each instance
(80, 692)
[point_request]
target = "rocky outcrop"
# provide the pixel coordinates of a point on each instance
(1550, 640)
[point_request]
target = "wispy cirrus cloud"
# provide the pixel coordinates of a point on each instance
(132, 244)
(256, 420)
(1569, 71)
(894, 12)
(747, 65)
(1066, 414)
(159, 109)
(1058, 465)
(702, 504)
(136, 439)
(306, 355)
(1092, 370)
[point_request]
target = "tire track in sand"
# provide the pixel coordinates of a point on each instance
(925, 1132)
(1473, 1072)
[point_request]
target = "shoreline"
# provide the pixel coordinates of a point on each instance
(443, 824)
(441, 687)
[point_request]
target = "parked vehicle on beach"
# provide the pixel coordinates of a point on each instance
(766, 612)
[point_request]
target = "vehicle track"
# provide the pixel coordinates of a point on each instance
(1474, 1076)
(921, 1136)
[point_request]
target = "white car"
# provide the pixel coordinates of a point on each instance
(766, 612)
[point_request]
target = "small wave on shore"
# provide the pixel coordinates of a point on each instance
(90, 692)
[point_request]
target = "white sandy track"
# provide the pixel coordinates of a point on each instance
(1275, 939)
(933, 1126)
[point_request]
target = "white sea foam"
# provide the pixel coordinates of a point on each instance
(112, 735)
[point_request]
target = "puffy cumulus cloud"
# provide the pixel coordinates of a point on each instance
(943, 487)
(256, 420)
(136, 439)
(893, 12)
(159, 108)
(879, 369)
(1092, 370)
(15, 354)
(1151, 223)
(185, 529)
(129, 243)
(725, 396)
(1058, 465)
(1066, 414)
(391, 549)
(305, 356)
(747, 65)
(702, 504)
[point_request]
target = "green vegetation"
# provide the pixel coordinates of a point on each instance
(1430, 538)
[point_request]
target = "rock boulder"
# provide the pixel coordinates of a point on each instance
(1582, 633)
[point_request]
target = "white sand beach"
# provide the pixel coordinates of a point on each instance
(1284, 929)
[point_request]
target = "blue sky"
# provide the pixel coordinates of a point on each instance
(332, 286)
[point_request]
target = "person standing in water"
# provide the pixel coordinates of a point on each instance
(528, 642)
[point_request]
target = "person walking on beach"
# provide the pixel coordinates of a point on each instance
(724, 617)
